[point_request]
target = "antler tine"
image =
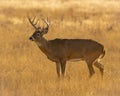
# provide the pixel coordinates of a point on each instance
(33, 19)
(46, 22)
(32, 22)
(36, 22)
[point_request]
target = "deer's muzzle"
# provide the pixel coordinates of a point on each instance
(31, 38)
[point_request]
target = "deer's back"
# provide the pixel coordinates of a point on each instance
(76, 43)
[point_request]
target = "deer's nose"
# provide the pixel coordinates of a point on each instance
(31, 38)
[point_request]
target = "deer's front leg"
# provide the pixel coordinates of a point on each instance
(63, 66)
(58, 68)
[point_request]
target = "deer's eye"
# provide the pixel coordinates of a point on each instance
(38, 34)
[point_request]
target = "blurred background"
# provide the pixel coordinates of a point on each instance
(26, 71)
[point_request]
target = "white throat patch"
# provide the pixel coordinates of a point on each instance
(39, 44)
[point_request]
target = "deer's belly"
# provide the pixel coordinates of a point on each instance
(52, 59)
(75, 59)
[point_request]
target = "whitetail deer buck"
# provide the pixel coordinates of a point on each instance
(62, 50)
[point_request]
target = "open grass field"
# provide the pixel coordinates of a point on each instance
(26, 71)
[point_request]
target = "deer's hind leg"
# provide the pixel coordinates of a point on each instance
(90, 67)
(100, 67)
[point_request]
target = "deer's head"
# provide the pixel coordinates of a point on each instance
(39, 31)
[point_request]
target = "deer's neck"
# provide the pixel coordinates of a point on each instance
(43, 45)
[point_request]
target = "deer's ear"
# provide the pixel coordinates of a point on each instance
(45, 31)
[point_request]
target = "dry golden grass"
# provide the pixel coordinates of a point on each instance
(25, 70)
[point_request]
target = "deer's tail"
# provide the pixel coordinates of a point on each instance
(103, 54)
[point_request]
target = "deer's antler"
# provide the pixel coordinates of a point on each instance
(33, 23)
